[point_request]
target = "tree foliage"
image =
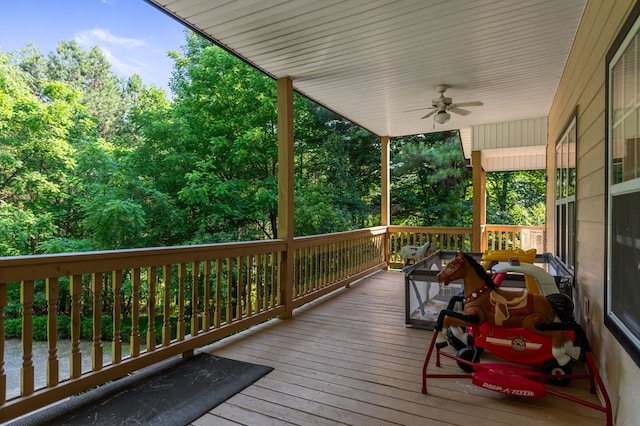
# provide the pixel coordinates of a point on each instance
(431, 185)
(516, 197)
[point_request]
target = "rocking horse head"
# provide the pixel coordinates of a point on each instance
(457, 268)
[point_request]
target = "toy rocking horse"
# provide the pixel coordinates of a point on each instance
(485, 301)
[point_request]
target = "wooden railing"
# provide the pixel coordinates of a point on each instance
(511, 237)
(445, 238)
(176, 299)
(325, 262)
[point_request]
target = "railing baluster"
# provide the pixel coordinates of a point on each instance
(250, 280)
(218, 302)
(239, 288)
(316, 267)
(53, 374)
(323, 265)
(151, 309)
(298, 283)
(182, 279)
(195, 276)
(340, 252)
(307, 268)
(96, 346)
(310, 258)
(26, 372)
(206, 304)
(230, 290)
(259, 286)
(166, 311)
(3, 374)
(276, 292)
(116, 344)
(267, 284)
(75, 357)
(340, 257)
(134, 339)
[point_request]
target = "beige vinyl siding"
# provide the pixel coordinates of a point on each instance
(510, 134)
(515, 162)
(582, 87)
(511, 145)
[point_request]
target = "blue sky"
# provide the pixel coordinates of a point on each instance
(132, 34)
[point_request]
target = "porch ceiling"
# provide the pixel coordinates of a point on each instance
(377, 62)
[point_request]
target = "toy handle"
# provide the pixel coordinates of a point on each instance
(498, 277)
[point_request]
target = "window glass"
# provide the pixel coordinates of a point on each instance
(623, 195)
(571, 162)
(565, 194)
(625, 261)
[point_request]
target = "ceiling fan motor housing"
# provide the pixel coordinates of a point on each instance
(441, 117)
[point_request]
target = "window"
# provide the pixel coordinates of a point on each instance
(566, 195)
(622, 297)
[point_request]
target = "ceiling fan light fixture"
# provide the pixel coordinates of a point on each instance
(441, 117)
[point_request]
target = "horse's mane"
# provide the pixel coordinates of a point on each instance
(480, 271)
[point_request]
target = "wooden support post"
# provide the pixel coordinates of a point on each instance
(479, 203)
(385, 198)
(285, 190)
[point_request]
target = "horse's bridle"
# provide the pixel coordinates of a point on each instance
(453, 266)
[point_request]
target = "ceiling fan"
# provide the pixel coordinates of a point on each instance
(442, 105)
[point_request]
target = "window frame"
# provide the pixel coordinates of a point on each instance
(565, 193)
(614, 319)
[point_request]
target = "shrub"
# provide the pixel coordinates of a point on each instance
(13, 328)
(40, 328)
(64, 326)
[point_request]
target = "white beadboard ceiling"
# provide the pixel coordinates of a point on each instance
(377, 62)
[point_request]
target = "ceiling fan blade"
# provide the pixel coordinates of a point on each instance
(429, 115)
(459, 111)
(414, 110)
(468, 104)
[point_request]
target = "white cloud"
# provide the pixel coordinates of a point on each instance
(123, 66)
(119, 51)
(129, 56)
(99, 35)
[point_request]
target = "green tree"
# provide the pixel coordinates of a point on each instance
(223, 150)
(103, 93)
(337, 171)
(35, 156)
(430, 182)
(516, 197)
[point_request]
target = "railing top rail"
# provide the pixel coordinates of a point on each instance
(21, 268)
(338, 236)
(430, 229)
(490, 227)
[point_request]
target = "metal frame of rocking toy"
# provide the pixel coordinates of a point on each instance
(525, 382)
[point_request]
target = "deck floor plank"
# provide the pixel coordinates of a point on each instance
(350, 359)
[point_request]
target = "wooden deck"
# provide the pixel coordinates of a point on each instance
(349, 359)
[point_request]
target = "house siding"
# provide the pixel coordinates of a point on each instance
(582, 89)
(510, 134)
